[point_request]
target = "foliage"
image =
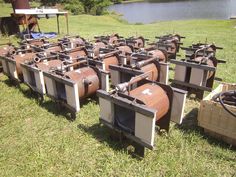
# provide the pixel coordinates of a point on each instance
(116, 1)
(95, 7)
(75, 6)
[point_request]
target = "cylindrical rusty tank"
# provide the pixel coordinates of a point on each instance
(47, 65)
(110, 60)
(87, 80)
(153, 96)
(8, 49)
(78, 41)
(126, 51)
(151, 68)
(173, 49)
(77, 52)
(54, 48)
(209, 62)
(97, 47)
(21, 58)
(208, 48)
(20, 4)
(113, 39)
(35, 42)
(158, 54)
(139, 42)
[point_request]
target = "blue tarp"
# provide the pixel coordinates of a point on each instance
(37, 35)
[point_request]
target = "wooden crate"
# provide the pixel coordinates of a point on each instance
(215, 120)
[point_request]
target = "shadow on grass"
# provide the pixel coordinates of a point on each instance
(190, 125)
(50, 105)
(105, 135)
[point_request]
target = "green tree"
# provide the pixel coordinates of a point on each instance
(97, 6)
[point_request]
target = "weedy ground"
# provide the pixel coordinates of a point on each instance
(38, 139)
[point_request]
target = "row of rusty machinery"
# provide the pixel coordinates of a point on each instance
(129, 77)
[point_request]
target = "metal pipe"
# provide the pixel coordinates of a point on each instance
(145, 62)
(123, 86)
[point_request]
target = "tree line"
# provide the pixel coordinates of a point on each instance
(94, 7)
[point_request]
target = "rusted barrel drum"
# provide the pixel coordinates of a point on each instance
(139, 42)
(209, 63)
(126, 51)
(87, 80)
(209, 49)
(113, 39)
(7, 50)
(21, 58)
(77, 41)
(110, 60)
(97, 47)
(152, 69)
(173, 49)
(153, 96)
(75, 53)
(55, 48)
(47, 65)
(158, 54)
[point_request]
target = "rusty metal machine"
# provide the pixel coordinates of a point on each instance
(6, 50)
(28, 51)
(136, 42)
(158, 70)
(154, 51)
(73, 41)
(33, 70)
(74, 81)
(134, 108)
(199, 49)
(33, 42)
(106, 58)
(109, 39)
(171, 43)
(196, 73)
(11, 63)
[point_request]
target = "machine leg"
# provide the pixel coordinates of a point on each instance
(73, 115)
(139, 150)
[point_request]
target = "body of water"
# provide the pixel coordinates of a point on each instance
(148, 12)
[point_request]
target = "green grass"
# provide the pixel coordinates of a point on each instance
(38, 140)
(5, 9)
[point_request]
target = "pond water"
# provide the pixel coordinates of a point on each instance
(148, 12)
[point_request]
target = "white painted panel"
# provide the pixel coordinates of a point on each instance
(123, 61)
(115, 77)
(196, 76)
(26, 77)
(72, 96)
(38, 75)
(50, 84)
(164, 72)
(145, 128)
(105, 82)
(12, 70)
(178, 105)
(180, 73)
(4, 66)
(106, 110)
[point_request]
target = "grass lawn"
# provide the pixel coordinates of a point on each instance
(38, 140)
